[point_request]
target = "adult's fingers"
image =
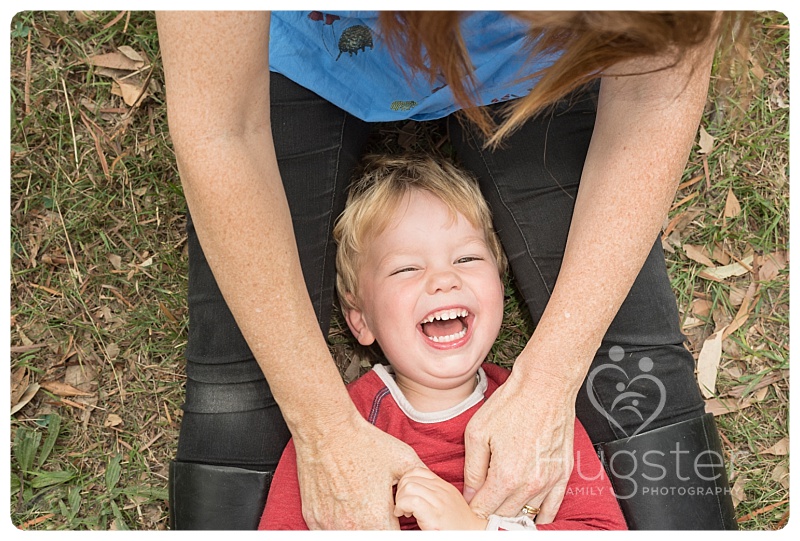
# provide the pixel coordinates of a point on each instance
(549, 506)
(476, 461)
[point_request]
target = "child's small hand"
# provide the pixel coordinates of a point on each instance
(435, 503)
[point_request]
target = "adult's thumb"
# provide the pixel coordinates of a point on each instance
(476, 467)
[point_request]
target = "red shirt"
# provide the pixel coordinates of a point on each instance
(438, 439)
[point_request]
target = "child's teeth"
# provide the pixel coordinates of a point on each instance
(449, 337)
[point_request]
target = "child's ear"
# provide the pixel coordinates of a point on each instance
(358, 324)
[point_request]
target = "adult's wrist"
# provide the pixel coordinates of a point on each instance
(314, 421)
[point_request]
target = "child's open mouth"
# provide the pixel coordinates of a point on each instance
(446, 326)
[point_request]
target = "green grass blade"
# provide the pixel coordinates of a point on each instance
(25, 444)
(53, 430)
(113, 472)
(50, 478)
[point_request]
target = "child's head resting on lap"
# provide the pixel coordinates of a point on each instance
(419, 271)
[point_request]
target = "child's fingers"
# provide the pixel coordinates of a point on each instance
(417, 475)
(414, 497)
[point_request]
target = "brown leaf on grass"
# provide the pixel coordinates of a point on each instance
(20, 379)
(708, 363)
(34, 521)
(780, 474)
(115, 260)
(748, 388)
(760, 394)
(743, 314)
(779, 449)
(131, 54)
(112, 420)
(681, 220)
(736, 295)
(85, 16)
(26, 397)
(112, 351)
(62, 389)
(115, 60)
(131, 90)
(721, 406)
(698, 254)
(771, 265)
(732, 206)
(719, 274)
(706, 142)
(701, 307)
(737, 490)
(733, 371)
(719, 254)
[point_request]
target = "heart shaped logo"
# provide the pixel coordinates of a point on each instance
(627, 400)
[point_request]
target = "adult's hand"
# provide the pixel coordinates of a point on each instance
(519, 448)
(346, 478)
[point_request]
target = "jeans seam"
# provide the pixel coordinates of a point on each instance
(330, 216)
(510, 213)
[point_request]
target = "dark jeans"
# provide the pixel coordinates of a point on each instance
(642, 376)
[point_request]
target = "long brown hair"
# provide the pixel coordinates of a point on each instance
(590, 42)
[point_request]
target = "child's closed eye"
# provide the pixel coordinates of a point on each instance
(468, 259)
(404, 269)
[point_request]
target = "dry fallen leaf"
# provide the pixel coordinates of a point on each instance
(721, 406)
(733, 371)
(116, 261)
(114, 60)
(112, 420)
(708, 363)
(779, 449)
(26, 397)
(760, 394)
(698, 254)
(706, 142)
(771, 265)
(719, 254)
(701, 307)
(718, 274)
(732, 206)
(112, 350)
(743, 314)
(85, 16)
(737, 490)
(781, 474)
(62, 389)
(20, 379)
(692, 322)
(130, 90)
(130, 53)
(736, 295)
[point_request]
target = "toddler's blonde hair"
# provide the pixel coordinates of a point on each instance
(378, 191)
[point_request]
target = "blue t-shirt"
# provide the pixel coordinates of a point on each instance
(342, 57)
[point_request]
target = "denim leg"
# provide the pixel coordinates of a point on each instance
(531, 183)
(230, 416)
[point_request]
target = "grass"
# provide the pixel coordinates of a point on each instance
(98, 275)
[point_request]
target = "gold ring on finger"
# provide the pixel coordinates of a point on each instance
(530, 510)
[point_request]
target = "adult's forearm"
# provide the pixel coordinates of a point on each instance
(243, 223)
(219, 115)
(643, 133)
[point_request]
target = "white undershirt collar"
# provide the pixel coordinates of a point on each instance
(386, 374)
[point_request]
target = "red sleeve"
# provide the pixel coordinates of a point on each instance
(589, 502)
(284, 510)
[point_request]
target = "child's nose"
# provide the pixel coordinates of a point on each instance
(443, 281)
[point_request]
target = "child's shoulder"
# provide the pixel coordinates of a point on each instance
(364, 389)
(496, 373)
